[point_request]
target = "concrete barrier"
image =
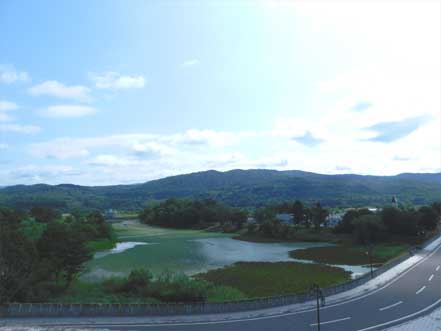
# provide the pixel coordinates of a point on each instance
(69, 310)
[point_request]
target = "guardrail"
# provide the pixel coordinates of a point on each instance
(71, 310)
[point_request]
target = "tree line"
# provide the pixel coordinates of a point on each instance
(41, 252)
(187, 213)
(363, 224)
(391, 222)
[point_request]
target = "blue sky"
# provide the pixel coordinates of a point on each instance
(107, 92)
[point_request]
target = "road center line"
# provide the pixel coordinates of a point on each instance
(333, 321)
(403, 318)
(430, 278)
(420, 290)
(437, 268)
(391, 306)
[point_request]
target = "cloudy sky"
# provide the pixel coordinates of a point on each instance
(107, 92)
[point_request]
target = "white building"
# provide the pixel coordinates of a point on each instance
(285, 218)
(333, 219)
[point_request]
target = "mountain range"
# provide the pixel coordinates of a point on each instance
(241, 188)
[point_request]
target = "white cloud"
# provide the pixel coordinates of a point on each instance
(67, 111)
(7, 105)
(60, 149)
(150, 148)
(59, 90)
(5, 117)
(113, 80)
(189, 63)
(33, 173)
(202, 137)
(145, 146)
(18, 128)
(108, 160)
(9, 75)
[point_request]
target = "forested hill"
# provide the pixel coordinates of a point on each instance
(244, 188)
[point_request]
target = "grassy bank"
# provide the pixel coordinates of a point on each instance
(84, 292)
(99, 245)
(262, 279)
(350, 255)
(301, 235)
(133, 229)
(102, 292)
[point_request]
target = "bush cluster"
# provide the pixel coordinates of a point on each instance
(167, 287)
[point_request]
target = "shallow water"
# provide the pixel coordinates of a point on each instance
(119, 248)
(190, 255)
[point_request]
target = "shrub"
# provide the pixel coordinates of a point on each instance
(224, 293)
(138, 281)
(179, 288)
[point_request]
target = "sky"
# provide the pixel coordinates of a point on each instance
(116, 92)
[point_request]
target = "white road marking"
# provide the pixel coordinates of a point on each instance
(333, 321)
(437, 268)
(420, 290)
(430, 278)
(402, 318)
(391, 306)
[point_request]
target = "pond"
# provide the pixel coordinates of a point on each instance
(188, 251)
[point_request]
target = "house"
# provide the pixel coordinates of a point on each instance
(285, 218)
(110, 214)
(333, 219)
(394, 202)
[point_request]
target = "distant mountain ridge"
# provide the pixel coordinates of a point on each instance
(242, 188)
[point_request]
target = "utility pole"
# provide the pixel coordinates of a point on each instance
(369, 253)
(315, 290)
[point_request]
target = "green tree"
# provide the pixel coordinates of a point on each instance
(17, 261)
(238, 217)
(346, 225)
(436, 206)
(298, 210)
(103, 229)
(264, 214)
(44, 214)
(400, 222)
(429, 218)
(63, 252)
(318, 214)
(369, 229)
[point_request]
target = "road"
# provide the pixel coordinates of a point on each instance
(413, 293)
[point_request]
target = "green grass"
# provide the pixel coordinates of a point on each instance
(263, 279)
(390, 251)
(135, 230)
(224, 293)
(301, 235)
(99, 245)
(349, 255)
(83, 292)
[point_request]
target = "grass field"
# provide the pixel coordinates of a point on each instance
(84, 292)
(262, 279)
(350, 255)
(128, 230)
(98, 245)
(301, 235)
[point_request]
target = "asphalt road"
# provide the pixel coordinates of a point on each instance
(413, 293)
